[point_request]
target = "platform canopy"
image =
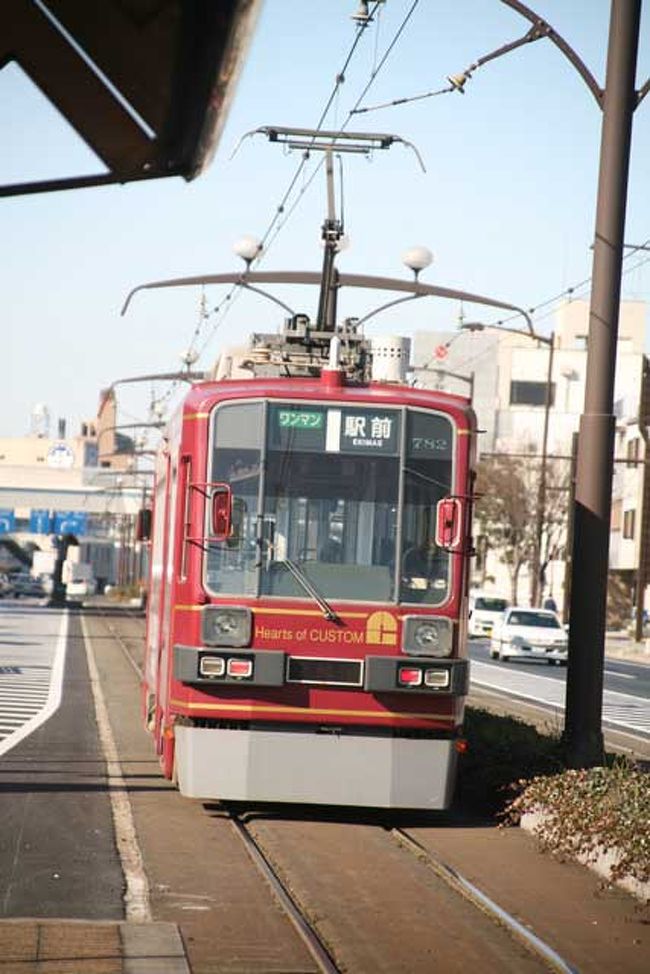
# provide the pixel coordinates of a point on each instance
(146, 83)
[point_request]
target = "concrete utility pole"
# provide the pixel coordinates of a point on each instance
(592, 507)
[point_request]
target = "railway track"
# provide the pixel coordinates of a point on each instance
(324, 955)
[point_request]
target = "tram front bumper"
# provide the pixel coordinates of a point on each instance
(369, 770)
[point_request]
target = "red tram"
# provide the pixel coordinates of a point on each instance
(306, 637)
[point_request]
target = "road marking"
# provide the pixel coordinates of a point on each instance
(619, 709)
(621, 676)
(136, 897)
(44, 693)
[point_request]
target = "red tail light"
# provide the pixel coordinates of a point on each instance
(409, 676)
(240, 667)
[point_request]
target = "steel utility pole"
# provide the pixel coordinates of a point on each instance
(591, 511)
(583, 728)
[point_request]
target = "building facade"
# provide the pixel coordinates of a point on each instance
(510, 376)
(56, 485)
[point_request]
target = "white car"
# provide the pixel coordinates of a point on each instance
(524, 633)
(484, 611)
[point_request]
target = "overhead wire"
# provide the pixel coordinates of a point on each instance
(371, 81)
(226, 303)
(572, 291)
(282, 215)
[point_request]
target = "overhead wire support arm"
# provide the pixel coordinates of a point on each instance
(547, 31)
(415, 288)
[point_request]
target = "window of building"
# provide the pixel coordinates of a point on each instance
(530, 393)
(629, 518)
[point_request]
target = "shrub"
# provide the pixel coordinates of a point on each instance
(501, 750)
(591, 811)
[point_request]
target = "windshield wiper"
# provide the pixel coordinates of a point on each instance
(300, 577)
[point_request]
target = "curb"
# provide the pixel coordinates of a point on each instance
(601, 861)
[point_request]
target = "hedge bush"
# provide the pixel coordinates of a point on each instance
(586, 812)
(501, 750)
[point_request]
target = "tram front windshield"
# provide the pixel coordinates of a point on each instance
(340, 498)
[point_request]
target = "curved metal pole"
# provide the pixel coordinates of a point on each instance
(163, 376)
(480, 326)
(343, 280)
(643, 91)
(562, 45)
(390, 304)
(265, 294)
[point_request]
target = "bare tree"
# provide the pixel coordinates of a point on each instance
(506, 511)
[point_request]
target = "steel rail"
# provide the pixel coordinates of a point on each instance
(306, 930)
(483, 902)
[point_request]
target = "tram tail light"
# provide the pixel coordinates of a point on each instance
(436, 678)
(240, 668)
(212, 666)
(409, 676)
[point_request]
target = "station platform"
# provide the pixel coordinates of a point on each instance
(37, 946)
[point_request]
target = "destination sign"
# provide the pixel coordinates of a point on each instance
(303, 419)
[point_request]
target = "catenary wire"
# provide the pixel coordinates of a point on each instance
(226, 303)
(282, 216)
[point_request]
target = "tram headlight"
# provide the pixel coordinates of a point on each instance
(427, 636)
(226, 625)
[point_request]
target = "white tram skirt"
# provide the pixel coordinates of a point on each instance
(309, 767)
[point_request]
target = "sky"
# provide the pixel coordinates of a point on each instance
(506, 204)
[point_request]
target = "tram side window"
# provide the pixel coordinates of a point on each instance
(236, 450)
(425, 568)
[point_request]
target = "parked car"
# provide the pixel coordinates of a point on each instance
(524, 633)
(26, 584)
(484, 610)
(6, 587)
(81, 588)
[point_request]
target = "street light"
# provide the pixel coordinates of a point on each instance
(540, 513)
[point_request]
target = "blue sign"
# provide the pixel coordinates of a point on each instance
(70, 522)
(7, 521)
(40, 522)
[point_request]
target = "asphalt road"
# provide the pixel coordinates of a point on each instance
(626, 691)
(57, 847)
(624, 676)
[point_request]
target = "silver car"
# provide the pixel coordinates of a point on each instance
(6, 587)
(524, 633)
(26, 584)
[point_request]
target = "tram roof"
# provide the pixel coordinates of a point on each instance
(203, 395)
(146, 83)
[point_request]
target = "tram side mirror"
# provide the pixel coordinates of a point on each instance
(221, 512)
(448, 523)
(143, 525)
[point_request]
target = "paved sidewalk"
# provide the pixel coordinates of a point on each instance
(595, 931)
(89, 947)
(622, 646)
